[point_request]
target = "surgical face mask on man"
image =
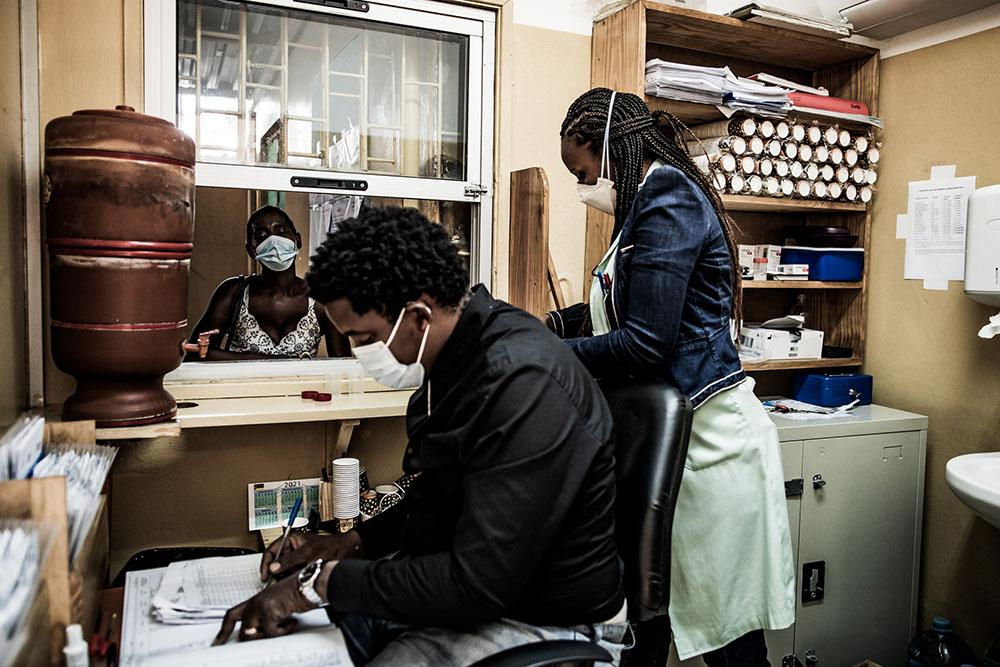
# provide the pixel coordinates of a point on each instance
(602, 194)
(379, 362)
(277, 252)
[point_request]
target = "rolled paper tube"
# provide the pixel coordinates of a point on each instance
(748, 165)
(765, 167)
(843, 174)
(772, 186)
(787, 187)
(858, 175)
(745, 127)
(871, 176)
(805, 152)
(712, 145)
(812, 171)
(866, 194)
(861, 143)
(834, 190)
(774, 148)
(873, 155)
(850, 157)
(814, 134)
(836, 155)
(830, 135)
(821, 154)
(791, 150)
(727, 162)
(844, 139)
(719, 180)
(765, 129)
(796, 170)
(803, 188)
(755, 184)
(736, 184)
(827, 172)
(756, 145)
(819, 189)
(781, 168)
(850, 192)
(782, 130)
(798, 132)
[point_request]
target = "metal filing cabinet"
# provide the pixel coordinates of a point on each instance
(855, 491)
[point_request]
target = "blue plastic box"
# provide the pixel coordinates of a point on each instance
(833, 390)
(832, 264)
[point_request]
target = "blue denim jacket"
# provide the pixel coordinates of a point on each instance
(669, 305)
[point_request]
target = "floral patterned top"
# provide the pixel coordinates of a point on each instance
(300, 343)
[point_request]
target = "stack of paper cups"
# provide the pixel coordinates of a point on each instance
(346, 488)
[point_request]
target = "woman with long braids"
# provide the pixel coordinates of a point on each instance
(663, 303)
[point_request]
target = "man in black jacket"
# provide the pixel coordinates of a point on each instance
(507, 534)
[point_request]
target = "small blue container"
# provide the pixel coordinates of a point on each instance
(830, 264)
(833, 390)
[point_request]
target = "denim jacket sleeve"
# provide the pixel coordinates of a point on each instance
(668, 230)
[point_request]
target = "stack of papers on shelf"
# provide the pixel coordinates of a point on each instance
(714, 85)
(85, 468)
(690, 83)
(145, 643)
(756, 97)
(201, 591)
(774, 16)
(764, 77)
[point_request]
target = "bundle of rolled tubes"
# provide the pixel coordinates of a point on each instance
(762, 157)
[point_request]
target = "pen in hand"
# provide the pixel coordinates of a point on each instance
(288, 529)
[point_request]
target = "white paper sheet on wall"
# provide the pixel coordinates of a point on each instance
(934, 227)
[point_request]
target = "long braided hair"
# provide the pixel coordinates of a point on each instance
(635, 134)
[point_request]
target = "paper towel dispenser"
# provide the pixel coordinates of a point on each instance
(982, 246)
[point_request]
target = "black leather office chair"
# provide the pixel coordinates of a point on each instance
(652, 428)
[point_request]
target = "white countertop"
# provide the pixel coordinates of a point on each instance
(862, 420)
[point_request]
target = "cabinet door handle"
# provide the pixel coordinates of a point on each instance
(818, 481)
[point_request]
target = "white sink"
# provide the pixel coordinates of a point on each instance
(975, 479)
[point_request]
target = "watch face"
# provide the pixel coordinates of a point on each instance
(308, 571)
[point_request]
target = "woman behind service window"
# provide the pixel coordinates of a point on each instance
(661, 304)
(267, 315)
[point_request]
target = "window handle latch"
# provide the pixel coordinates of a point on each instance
(354, 5)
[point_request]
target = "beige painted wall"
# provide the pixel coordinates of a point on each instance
(544, 71)
(940, 107)
(13, 379)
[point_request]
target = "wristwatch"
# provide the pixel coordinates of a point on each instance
(307, 583)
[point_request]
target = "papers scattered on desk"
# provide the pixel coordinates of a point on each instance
(788, 408)
(145, 643)
(775, 16)
(22, 549)
(201, 591)
(714, 85)
(21, 447)
(85, 468)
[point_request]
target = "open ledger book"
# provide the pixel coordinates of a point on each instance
(147, 642)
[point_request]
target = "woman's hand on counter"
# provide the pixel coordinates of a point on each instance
(302, 548)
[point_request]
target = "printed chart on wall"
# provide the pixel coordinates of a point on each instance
(934, 227)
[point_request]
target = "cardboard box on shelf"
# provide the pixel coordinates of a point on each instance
(767, 344)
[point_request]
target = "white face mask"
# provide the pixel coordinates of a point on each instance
(277, 253)
(602, 195)
(380, 363)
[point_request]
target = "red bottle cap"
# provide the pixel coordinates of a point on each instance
(309, 394)
(322, 397)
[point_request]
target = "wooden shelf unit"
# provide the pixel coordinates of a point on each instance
(621, 45)
(799, 284)
(800, 364)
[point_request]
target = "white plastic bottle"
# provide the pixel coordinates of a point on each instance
(75, 650)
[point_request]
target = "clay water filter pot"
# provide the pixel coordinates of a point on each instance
(119, 213)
